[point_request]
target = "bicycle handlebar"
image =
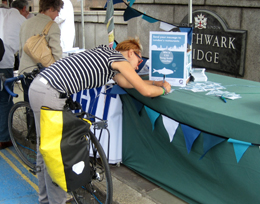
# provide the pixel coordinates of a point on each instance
(9, 80)
(4, 80)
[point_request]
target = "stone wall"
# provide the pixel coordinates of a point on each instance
(238, 14)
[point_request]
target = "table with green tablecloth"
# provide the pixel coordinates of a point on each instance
(218, 177)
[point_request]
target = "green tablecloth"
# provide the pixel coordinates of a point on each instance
(217, 178)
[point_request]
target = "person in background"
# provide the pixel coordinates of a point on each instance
(22, 6)
(7, 3)
(65, 20)
(10, 23)
(48, 11)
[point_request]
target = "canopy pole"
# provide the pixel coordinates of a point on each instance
(190, 17)
(83, 24)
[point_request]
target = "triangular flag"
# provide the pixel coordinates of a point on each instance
(115, 2)
(117, 90)
(131, 2)
(240, 147)
(138, 105)
(170, 125)
(153, 115)
(131, 13)
(110, 22)
(190, 135)
(167, 27)
(114, 45)
(149, 19)
(210, 141)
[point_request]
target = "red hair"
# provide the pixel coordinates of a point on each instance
(131, 43)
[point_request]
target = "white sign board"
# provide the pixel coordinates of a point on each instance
(168, 57)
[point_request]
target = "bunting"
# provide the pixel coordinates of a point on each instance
(149, 19)
(131, 2)
(190, 135)
(170, 126)
(131, 13)
(240, 147)
(110, 22)
(115, 2)
(153, 115)
(210, 141)
(117, 90)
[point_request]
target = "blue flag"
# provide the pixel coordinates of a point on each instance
(210, 141)
(190, 135)
(131, 13)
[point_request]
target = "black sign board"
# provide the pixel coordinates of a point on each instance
(214, 45)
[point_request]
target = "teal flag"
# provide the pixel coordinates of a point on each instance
(240, 147)
(153, 115)
(149, 19)
(131, 2)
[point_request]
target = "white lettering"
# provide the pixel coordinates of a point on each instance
(199, 39)
(206, 56)
(208, 39)
(216, 41)
(223, 41)
(231, 43)
(216, 58)
(198, 55)
(209, 56)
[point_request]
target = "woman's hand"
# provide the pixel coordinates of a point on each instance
(164, 84)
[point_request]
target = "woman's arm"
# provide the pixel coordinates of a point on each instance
(54, 41)
(128, 78)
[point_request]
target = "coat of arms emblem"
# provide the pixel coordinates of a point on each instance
(200, 22)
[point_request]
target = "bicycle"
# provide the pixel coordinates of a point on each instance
(96, 191)
(21, 124)
(23, 136)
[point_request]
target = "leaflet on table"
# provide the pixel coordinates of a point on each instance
(169, 57)
(198, 74)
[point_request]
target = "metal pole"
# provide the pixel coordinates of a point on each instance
(190, 16)
(82, 24)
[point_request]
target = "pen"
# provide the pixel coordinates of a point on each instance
(163, 78)
(223, 99)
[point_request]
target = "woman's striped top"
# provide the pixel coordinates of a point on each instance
(86, 70)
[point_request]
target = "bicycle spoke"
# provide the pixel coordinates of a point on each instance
(22, 132)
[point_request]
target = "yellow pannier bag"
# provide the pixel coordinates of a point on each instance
(65, 148)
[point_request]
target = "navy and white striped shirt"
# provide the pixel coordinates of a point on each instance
(86, 70)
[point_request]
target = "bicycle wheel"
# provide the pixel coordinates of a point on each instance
(100, 189)
(22, 132)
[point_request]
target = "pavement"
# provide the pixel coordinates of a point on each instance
(128, 186)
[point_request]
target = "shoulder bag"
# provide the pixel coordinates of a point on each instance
(37, 47)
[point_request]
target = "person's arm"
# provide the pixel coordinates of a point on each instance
(54, 41)
(128, 78)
